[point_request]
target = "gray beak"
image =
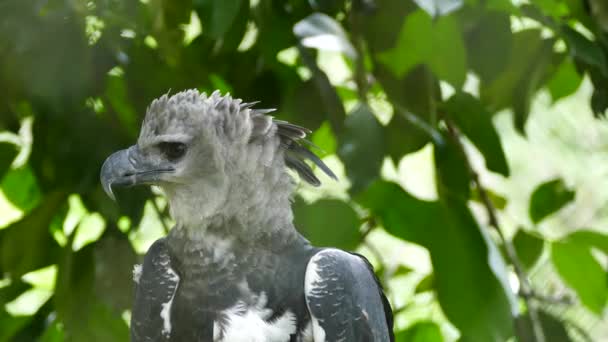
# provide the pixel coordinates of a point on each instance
(128, 168)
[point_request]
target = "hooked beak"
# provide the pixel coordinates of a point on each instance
(128, 168)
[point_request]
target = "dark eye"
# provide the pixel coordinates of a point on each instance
(172, 150)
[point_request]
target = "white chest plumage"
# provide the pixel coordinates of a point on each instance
(249, 323)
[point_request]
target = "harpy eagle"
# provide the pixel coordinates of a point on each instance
(234, 268)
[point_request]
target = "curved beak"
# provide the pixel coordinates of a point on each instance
(128, 168)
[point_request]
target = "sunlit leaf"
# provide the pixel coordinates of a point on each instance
(322, 32)
(21, 188)
(438, 44)
(590, 238)
(548, 198)
(329, 223)
(577, 266)
(460, 258)
(565, 81)
(324, 139)
(420, 332)
(439, 7)
(554, 8)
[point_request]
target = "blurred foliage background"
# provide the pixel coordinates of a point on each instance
(467, 134)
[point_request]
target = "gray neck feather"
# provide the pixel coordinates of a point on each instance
(249, 207)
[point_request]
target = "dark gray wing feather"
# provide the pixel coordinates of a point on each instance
(345, 300)
(155, 288)
(292, 136)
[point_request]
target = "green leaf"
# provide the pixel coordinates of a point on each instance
(498, 201)
(506, 6)
(324, 139)
(392, 204)
(116, 94)
(417, 92)
(217, 17)
(8, 152)
(548, 198)
(425, 331)
(426, 284)
(85, 316)
(21, 189)
(53, 333)
(528, 247)
(555, 8)
(451, 170)
(590, 238)
(175, 12)
(382, 25)
(11, 325)
(403, 138)
(476, 123)
(329, 96)
(489, 44)
(402, 270)
(582, 272)
(553, 328)
(530, 62)
(361, 147)
(439, 44)
(460, 258)
(114, 260)
(330, 223)
(304, 106)
(565, 81)
(439, 7)
(323, 32)
(584, 50)
(31, 231)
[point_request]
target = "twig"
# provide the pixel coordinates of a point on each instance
(543, 298)
(420, 124)
(526, 291)
(370, 224)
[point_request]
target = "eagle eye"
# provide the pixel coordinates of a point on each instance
(172, 150)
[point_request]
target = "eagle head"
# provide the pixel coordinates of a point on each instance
(212, 155)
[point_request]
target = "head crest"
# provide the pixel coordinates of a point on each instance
(188, 110)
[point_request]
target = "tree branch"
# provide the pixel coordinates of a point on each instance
(526, 291)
